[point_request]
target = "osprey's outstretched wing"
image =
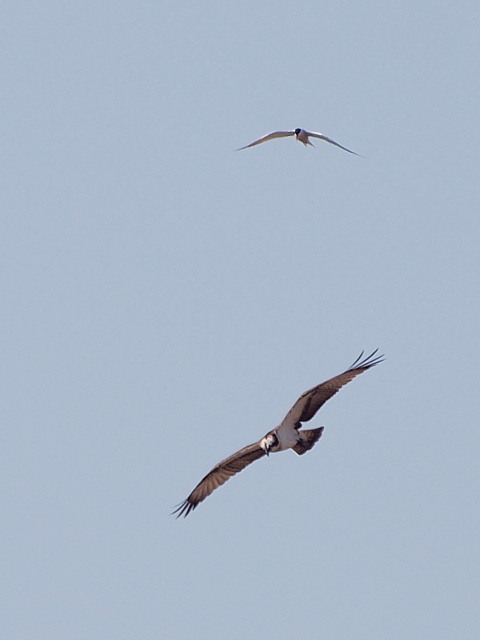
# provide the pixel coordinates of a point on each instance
(218, 475)
(310, 402)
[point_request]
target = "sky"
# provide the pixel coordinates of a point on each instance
(166, 299)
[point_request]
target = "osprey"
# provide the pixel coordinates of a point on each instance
(287, 435)
(301, 135)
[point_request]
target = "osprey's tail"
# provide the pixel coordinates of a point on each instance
(309, 438)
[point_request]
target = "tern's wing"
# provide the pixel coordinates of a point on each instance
(321, 136)
(269, 136)
(310, 402)
(218, 475)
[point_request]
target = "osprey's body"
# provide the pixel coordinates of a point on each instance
(286, 436)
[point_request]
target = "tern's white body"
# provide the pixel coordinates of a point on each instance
(302, 136)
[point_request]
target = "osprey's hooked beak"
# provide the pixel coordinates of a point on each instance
(265, 445)
(268, 442)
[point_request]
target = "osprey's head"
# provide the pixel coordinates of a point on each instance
(297, 131)
(269, 442)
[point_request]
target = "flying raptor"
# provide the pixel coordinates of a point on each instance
(301, 135)
(287, 435)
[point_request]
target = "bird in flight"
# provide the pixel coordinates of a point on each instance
(301, 135)
(287, 435)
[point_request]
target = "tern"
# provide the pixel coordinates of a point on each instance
(301, 135)
(287, 435)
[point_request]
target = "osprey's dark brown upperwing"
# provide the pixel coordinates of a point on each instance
(218, 475)
(310, 402)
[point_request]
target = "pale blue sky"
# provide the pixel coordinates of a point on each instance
(166, 300)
